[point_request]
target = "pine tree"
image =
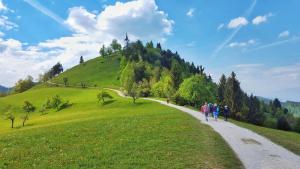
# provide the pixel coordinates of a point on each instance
(233, 94)
(221, 90)
(81, 60)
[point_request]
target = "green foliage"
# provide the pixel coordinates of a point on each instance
(196, 90)
(10, 116)
(66, 80)
(28, 107)
(233, 94)
(23, 85)
(102, 95)
(116, 46)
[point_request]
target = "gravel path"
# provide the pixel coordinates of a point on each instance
(255, 151)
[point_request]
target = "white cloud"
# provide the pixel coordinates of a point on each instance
(141, 19)
(261, 19)
(6, 24)
(242, 44)
(191, 44)
(284, 34)
(190, 12)
(237, 22)
(1, 34)
(221, 26)
(2, 6)
(81, 21)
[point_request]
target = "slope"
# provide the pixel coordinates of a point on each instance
(119, 134)
(100, 72)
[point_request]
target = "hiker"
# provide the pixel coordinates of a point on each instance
(216, 111)
(210, 107)
(226, 112)
(206, 110)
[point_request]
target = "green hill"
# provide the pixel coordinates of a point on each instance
(100, 72)
(119, 134)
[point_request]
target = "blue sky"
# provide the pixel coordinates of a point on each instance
(258, 39)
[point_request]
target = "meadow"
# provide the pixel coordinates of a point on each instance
(118, 134)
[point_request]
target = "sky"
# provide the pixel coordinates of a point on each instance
(257, 39)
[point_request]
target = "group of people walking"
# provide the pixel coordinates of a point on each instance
(214, 111)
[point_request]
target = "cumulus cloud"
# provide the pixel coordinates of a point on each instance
(141, 19)
(284, 34)
(242, 44)
(190, 12)
(237, 22)
(261, 19)
(1, 34)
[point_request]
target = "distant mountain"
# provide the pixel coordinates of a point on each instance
(3, 89)
(264, 99)
(292, 106)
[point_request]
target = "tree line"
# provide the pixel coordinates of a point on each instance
(149, 70)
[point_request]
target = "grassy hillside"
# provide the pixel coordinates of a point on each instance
(119, 134)
(102, 72)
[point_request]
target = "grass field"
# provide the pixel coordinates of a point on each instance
(289, 140)
(91, 73)
(119, 134)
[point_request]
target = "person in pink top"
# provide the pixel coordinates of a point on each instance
(206, 111)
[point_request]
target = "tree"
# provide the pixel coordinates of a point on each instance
(176, 74)
(283, 124)
(128, 81)
(102, 95)
(158, 46)
(27, 107)
(221, 90)
(65, 79)
(116, 46)
(23, 85)
(254, 115)
(196, 90)
(233, 94)
(56, 102)
(102, 51)
(11, 117)
(81, 60)
(56, 69)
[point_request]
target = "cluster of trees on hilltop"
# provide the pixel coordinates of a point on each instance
(149, 70)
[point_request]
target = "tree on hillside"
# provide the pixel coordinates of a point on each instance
(158, 46)
(102, 95)
(23, 85)
(254, 115)
(176, 74)
(221, 90)
(57, 69)
(27, 107)
(233, 94)
(196, 90)
(81, 60)
(65, 79)
(115, 46)
(102, 51)
(11, 117)
(128, 81)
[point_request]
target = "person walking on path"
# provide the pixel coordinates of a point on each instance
(206, 110)
(226, 112)
(216, 110)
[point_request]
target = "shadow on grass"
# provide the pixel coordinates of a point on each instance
(108, 102)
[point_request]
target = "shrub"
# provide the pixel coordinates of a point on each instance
(283, 124)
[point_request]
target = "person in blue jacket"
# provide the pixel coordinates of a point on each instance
(216, 111)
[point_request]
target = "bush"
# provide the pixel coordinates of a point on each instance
(283, 124)
(270, 123)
